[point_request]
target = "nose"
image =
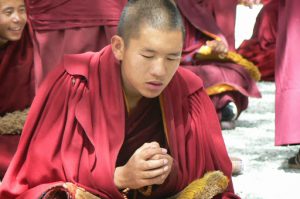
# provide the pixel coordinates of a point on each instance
(158, 68)
(16, 17)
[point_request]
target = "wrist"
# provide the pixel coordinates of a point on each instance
(119, 179)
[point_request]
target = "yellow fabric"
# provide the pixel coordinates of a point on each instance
(220, 88)
(205, 53)
(207, 187)
(79, 192)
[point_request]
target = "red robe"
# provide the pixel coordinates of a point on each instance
(260, 49)
(70, 27)
(76, 125)
(287, 70)
(224, 12)
(16, 75)
(16, 88)
(201, 26)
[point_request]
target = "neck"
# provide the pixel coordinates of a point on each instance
(131, 101)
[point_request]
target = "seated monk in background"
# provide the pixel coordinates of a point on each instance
(126, 117)
(16, 79)
(228, 83)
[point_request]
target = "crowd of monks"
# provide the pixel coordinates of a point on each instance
(54, 28)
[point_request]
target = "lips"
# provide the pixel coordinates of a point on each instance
(16, 29)
(154, 85)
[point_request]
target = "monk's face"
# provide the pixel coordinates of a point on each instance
(150, 61)
(12, 20)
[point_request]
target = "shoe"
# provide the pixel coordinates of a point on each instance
(294, 162)
(229, 112)
(237, 166)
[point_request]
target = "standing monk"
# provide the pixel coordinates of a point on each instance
(16, 75)
(70, 26)
(287, 126)
(123, 118)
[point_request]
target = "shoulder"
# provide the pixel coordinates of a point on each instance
(80, 64)
(186, 81)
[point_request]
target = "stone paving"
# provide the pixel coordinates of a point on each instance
(265, 175)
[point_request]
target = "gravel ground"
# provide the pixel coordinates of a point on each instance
(265, 175)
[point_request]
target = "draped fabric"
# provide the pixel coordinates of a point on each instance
(260, 49)
(224, 12)
(213, 72)
(65, 14)
(287, 126)
(75, 130)
(199, 14)
(8, 147)
(70, 27)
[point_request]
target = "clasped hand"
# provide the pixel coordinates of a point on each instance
(150, 164)
(218, 47)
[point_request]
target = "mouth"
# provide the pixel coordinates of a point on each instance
(16, 29)
(155, 85)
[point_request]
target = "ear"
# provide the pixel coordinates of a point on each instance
(117, 44)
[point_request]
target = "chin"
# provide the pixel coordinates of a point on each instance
(152, 95)
(15, 38)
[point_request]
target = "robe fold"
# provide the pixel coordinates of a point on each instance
(199, 29)
(287, 70)
(224, 12)
(76, 128)
(260, 49)
(16, 88)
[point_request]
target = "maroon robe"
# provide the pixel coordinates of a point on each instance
(70, 27)
(16, 74)
(201, 27)
(76, 128)
(16, 88)
(260, 49)
(224, 12)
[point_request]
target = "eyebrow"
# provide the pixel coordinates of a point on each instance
(11, 8)
(153, 51)
(7, 8)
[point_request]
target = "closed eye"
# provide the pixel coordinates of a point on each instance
(173, 58)
(147, 56)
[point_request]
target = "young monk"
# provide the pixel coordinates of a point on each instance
(123, 118)
(16, 68)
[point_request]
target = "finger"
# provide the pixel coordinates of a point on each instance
(158, 156)
(148, 145)
(154, 164)
(147, 153)
(154, 144)
(156, 180)
(224, 49)
(149, 174)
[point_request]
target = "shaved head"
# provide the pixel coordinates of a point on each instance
(159, 14)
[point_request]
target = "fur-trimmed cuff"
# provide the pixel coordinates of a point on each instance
(12, 123)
